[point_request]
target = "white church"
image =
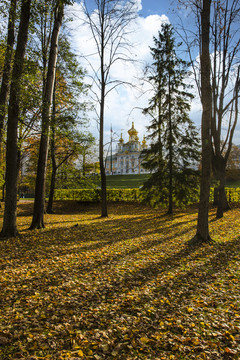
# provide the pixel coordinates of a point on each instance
(127, 159)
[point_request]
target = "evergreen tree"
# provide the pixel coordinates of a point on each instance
(174, 142)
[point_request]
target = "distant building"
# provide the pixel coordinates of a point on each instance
(127, 159)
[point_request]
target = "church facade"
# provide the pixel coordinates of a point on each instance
(127, 159)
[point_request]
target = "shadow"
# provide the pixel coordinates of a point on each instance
(119, 278)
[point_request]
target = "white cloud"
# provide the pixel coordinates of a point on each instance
(124, 105)
(121, 105)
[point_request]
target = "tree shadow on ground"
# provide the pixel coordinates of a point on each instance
(120, 288)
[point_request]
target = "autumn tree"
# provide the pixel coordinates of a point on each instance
(10, 211)
(7, 50)
(6, 75)
(108, 23)
(173, 150)
(39, 202)
(68, 111)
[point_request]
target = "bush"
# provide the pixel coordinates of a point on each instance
(94, 195)
(128, 195)
(122, 194)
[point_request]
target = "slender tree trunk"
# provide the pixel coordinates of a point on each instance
(102, 168)
(215, 196)
(202, 234)
(53, 179)
(53, 156)
(222, 204)
(39, 203)
(84, 162)
(220, 199)
(170, 197)
(9, 221)
(101, 152)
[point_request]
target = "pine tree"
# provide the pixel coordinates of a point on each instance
(174, 141)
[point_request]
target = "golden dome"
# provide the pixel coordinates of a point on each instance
(132, 131)
(144, 143)
(121, 139)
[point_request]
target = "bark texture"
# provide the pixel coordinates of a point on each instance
(7, 69)
(202, 234)
(53, 180)
(10, 213)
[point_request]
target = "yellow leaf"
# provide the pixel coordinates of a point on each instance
(144, 340)
(190, 310)
(196, 341)
(80, 353)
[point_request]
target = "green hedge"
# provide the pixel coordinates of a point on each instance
(94, 195)
(232, 194)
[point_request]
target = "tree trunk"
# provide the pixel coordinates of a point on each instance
(9, 221)
(170, 197)
(84, 162)
(53, 155)
(219, 169)
(101, 152)
(6, 76)
(102, 169)
(39, 203)
(52, 186)
(202, 234)
(215, 196)
(222, 204)
(7, 69)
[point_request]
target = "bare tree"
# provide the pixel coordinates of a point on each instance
(109, 25)
(202, 234)
(9, 221)
(224, 53)
(225, 88)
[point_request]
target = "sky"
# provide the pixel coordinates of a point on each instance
(125, 105)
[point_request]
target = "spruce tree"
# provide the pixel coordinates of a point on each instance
(173, 138)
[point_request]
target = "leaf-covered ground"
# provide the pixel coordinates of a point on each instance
(125, 287)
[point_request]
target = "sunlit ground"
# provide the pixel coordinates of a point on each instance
(124, 287)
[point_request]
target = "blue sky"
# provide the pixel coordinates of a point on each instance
(124, 106)
(150, 7)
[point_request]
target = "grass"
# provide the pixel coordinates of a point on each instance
(233, 183)
(126, 181)
(124, 287)
(135, 181)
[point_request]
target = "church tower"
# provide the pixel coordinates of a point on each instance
(127, 159)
